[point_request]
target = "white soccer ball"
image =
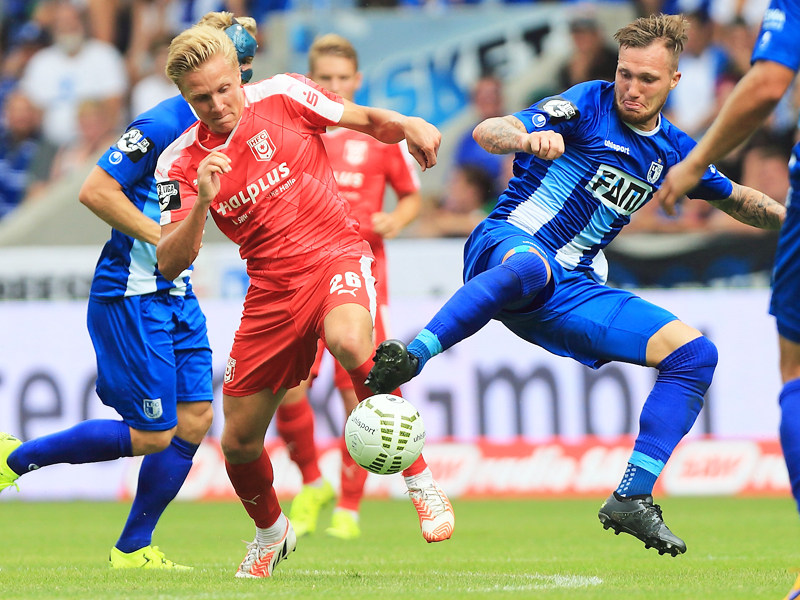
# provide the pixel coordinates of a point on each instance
(384, 434)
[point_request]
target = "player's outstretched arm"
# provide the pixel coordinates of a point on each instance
(752, 207)
(103, 195)
(389, 127)
(750, 103)
(506, 135)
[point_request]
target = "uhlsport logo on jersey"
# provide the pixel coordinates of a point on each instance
(229, 370)
(169, 195)
(355, 151)
(261, 145)
(134, 144)
(152, 408)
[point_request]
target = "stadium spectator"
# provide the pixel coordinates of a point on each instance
(362, 167)
(776, 60)
(74, 68)
(486, 101)
(586, 160)
(268, 185)
(25, 157)
(97, 130)
(155, 86)
(469, 195)
(25, 42)
(693, 104)
(152, 20)
(149, 335)
(592, 57)
(737, 38)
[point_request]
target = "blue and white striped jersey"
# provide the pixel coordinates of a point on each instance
(127, 267)
(778, 41)
(575, 205)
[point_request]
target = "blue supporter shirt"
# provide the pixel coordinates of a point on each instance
(127, 267)
(575, 205)
(15, 161)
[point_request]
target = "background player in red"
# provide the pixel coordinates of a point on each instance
(256, 162)
(362, 167)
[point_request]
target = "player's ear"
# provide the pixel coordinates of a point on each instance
(676, 77)
(359, 79)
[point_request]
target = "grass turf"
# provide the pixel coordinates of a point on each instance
(548, 549)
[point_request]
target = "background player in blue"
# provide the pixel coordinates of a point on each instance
(775, 62)
(585, 162)
(149, 334)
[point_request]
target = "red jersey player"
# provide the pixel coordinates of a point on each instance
(256, 162)
(362, 167)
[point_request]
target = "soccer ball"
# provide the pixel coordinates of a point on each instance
(384, 434)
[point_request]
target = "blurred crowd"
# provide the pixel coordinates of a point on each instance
(73, 72)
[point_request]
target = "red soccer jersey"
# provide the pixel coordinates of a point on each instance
(279, 202)
(363, 166)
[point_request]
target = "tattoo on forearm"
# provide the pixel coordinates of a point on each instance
(498, 137)
(753, 208)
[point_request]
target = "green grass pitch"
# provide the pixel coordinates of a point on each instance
(548, 549)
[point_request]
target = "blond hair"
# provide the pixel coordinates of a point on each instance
(331, 44)
(224, 19)
(670, 30)
(194, 47)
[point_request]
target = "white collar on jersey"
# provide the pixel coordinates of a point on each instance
(653, 131)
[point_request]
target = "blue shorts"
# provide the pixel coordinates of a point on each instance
(574, 315)
(152, 352)
(785, 302)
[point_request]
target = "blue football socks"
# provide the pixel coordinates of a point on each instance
(790, 433)
(523, 275)
(160, 478)
(96, 440)
(669, 413)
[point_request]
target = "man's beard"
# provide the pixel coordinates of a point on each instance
(633, 118)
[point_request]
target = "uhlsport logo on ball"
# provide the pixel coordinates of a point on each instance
(384, 434)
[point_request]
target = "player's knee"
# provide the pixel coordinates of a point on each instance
(194, 421)
(695, 362)
(351, 349)
(531, 270)
(240, 450)
(150, 442)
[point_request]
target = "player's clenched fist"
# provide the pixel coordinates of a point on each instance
(547, 145)
(208, 171)
(423, 141)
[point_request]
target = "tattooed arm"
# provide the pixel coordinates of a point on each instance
(504, 135)
(752, 208)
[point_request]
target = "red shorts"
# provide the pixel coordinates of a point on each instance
(276, 342)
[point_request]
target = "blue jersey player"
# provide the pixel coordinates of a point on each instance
(149, 334)
(775, 62)
(585, 162)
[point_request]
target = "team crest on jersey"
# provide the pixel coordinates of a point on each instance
(654, 172)
(134, 144)
(355, 151)
(261, 145)
(152, 408)
(169, 195)
(560, 109)
(229, 370)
